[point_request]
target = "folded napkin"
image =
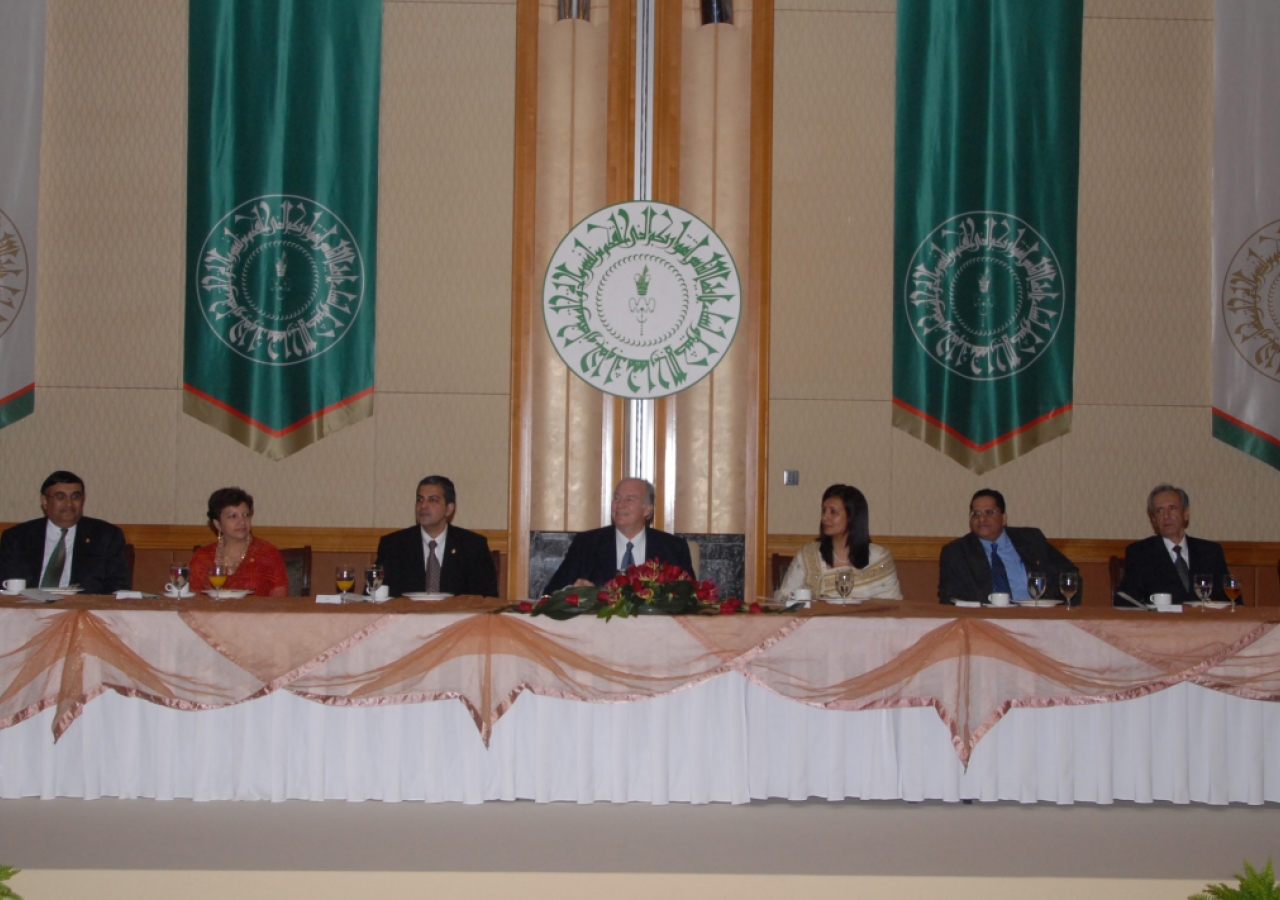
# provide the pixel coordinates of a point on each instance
(328, 598)
(967, 604)
(1172, 608)
(137, 595)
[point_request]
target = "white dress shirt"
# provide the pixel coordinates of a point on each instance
(637, 547)
(426, 545)
(51, 535)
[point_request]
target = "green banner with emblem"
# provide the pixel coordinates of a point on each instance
(986, 183)
(282, 204)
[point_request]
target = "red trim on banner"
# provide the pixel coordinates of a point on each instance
(18, 393)
(1236, 422)
(271, 431)
(980, 448)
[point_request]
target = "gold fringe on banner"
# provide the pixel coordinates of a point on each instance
(267, 441)
(981, 458)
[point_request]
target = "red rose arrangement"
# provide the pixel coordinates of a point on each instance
(652, 587)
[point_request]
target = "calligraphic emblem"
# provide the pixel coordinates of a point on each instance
(641, 299)
(14, 276)
(1251, 300)
(984, 295)
(280, 279)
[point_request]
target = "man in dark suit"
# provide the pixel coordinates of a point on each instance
(65, 548)
(995, 558)
(434, 556)
(1168, 561)
(596, 556)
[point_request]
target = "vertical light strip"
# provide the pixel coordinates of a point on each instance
(640, 442)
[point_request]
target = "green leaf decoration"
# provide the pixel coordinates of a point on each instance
(1254, 885)
(7, 872)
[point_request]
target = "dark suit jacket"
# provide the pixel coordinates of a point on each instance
(1148, 569)
(97, 560)
(593, 555)
(964, 569)
(467, 567)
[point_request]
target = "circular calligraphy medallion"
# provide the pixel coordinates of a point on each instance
(641, 299)
(1251, 300)
(984, 295)
(280, 279)
(14, 274)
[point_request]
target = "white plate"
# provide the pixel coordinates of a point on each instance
(1212, 604)
(421, 596)
(837, 601)
(225, 594)
(1038, 603)
(62, 592)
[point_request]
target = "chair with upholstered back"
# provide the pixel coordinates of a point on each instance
(695, 556)
(297, 565)
(778, 565)
(1117, 572)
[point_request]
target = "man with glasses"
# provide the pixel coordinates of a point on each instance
(995, 559)
(65, 548)
(1168, 561)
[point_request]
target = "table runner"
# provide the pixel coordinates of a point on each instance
(971, 667)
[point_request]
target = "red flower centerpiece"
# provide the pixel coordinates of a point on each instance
(651, 588)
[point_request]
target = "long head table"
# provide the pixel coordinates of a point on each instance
(971, 666)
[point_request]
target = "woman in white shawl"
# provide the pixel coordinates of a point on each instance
(844, 546)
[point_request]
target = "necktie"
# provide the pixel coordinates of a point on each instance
(433, 569)
(628, 560)
(1184, 571)
(53, 571)
(999, 574)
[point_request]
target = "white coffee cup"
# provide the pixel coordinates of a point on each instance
(15, 585)
(801, 595)
(1162, 599)
(999, 599)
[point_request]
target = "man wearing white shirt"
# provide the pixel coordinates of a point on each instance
(1168, 561)
(65, 548)
(433, 556)
(596, 556)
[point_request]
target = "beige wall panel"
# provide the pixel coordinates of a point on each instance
(1116, 454)
(931, 492)
(215, 885)
(444, 217)
(113, 194)
(1144, 273)
(833, 207)
(830, 442)
(411, 445)
(1149, 9)
(326, 485)
(121, 442)
(571, 172)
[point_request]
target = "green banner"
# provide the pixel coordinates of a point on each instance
(282, 209)
(986, 180)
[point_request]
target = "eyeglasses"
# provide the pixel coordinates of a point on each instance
(63, 495)
(983, 513)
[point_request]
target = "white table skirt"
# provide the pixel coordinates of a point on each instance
(727, 740)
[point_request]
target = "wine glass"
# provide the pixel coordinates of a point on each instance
(346, 578)
(373, 577)
(179, 575)
(218, 577)
(1203, 585)
(1232, 587)
(1069, 586)
(1037, 582)
(844, 584)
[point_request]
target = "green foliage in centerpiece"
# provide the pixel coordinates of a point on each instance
(650, 588)
(7, 872)
(1254, 885)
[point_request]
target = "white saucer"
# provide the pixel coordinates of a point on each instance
(421, 596)
(62, 592)
(225, 594)
(1038, 603)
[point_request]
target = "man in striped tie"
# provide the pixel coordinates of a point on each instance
(995, 558)
(65, 548)
(1168, 561)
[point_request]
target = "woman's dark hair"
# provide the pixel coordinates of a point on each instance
(225, 497)
(857, 529)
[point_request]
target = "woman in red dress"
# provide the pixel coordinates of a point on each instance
(254, 564)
